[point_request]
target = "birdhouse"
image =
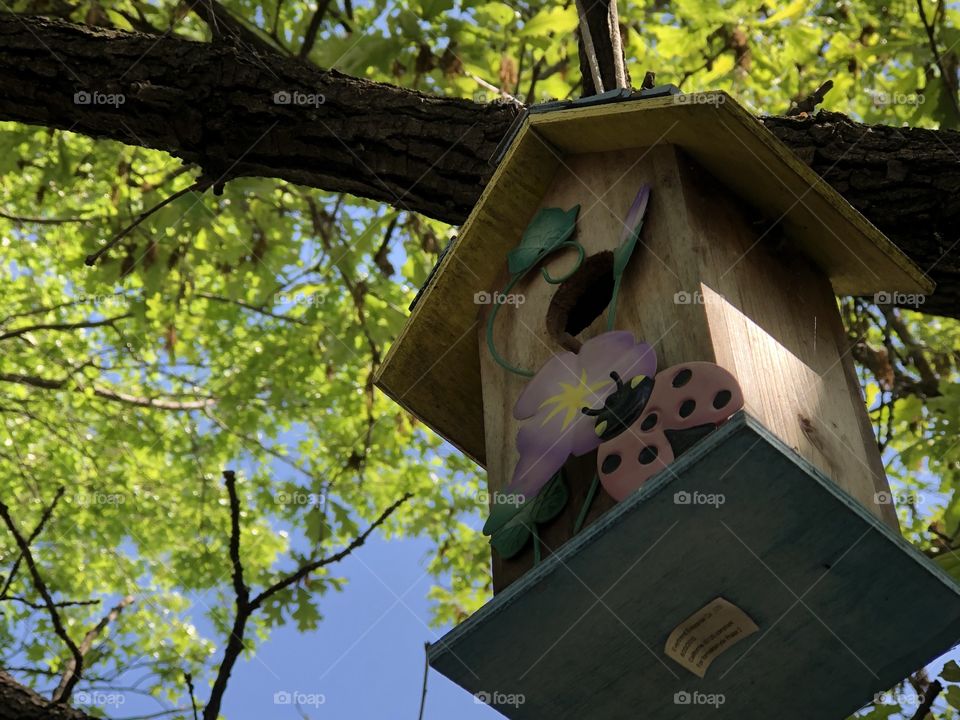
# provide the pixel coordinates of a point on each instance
(636, 334)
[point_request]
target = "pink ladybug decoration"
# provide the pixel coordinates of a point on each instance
(687, 399)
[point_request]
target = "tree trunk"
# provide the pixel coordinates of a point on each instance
(213, 104)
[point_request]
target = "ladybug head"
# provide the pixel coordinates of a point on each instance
(622, 407)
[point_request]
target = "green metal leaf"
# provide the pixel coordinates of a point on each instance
(510, 540)
(500, 515)
(551, 500)
(548, 229)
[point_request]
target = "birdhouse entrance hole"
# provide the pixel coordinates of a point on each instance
(581, 298)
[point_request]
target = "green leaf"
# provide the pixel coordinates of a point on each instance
(951, 672)
(510, 526)
(548, 229)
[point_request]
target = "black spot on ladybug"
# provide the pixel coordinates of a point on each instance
(721, 399)
(648, 455)
(649, 422)
(682, 377)
(610, 463)
(687, 408)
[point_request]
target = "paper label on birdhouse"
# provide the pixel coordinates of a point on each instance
(701, 638)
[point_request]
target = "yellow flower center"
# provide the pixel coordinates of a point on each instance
(571, 399)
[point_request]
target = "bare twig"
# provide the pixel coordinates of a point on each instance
(199, 185)
(33, 536)
(193, 700)
(426, 674)
(310, 36)
(158, 403)
(809, 103)
(305, 570)
(72, 667)
(61, 326)
(945, 74)
(245, 606)
(929, 696)
(38, 606)
(41, 588)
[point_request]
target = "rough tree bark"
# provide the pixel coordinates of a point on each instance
(20, 703)
(212, 104)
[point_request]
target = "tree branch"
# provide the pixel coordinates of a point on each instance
(72, 671)
(108, 394)
(41, 587)
(33, 536)
(62, 326)
(211, 104)
(245, 606)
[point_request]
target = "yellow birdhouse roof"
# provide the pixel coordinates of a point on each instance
(433, 368)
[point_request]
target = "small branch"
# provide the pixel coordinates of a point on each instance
(310, 36)
(305, 570)
(62, 326)
(246, 606)
(108, 394)
(929, 696)
(33, 536)
(426, 674)
(43, 221)
(199, 185)
(193, 700)
(948, 86)
(252, 308)
(809, 103)
(41, 588)
(38, 606)
(239, 586)
(72, 669)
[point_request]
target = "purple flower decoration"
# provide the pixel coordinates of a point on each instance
(552, 404)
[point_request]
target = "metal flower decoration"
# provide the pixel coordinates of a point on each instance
(553, 403)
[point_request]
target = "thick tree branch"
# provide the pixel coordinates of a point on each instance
(21, 703)
(212, 104)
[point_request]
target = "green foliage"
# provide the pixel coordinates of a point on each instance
(271, 305)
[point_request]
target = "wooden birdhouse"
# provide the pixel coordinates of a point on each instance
(636, 333)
